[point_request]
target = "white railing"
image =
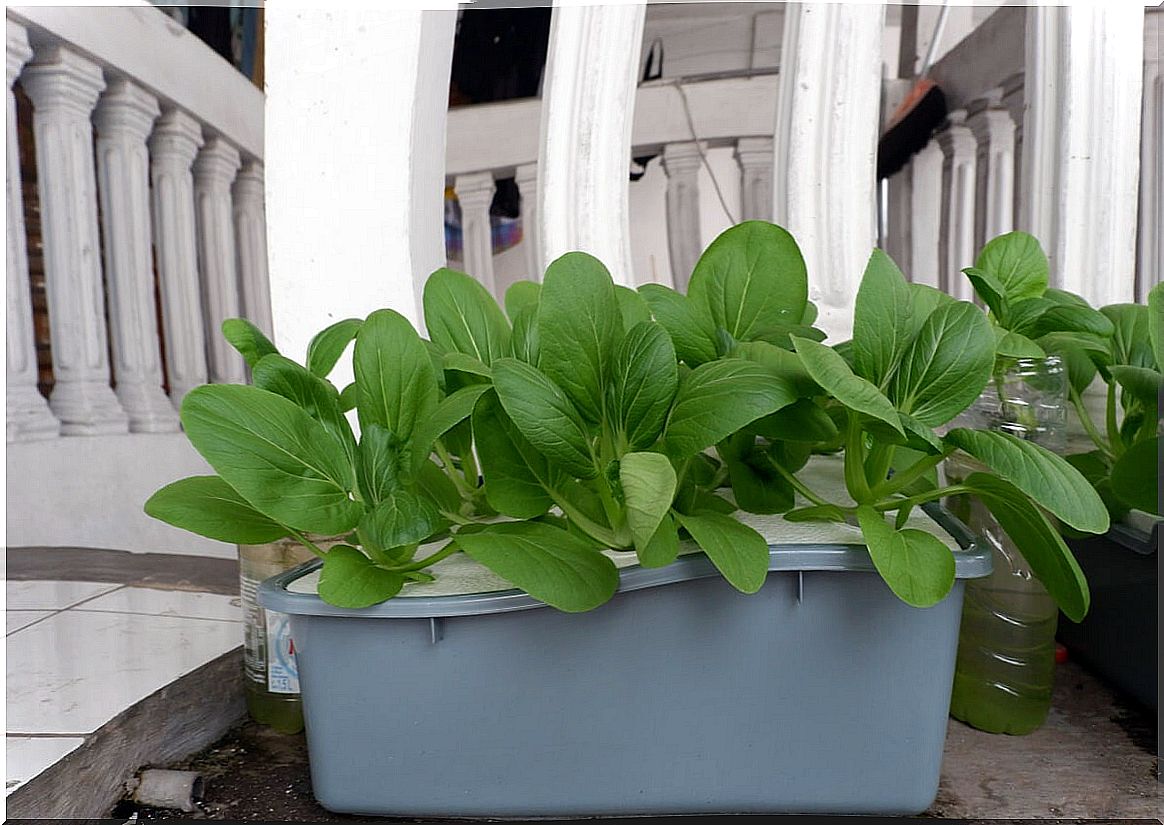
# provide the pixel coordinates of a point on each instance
(152, 234)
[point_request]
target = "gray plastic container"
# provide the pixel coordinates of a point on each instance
(821, 693)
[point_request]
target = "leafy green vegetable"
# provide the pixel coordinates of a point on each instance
(915, 564)
(328, 345)
(736, 550)
(210, 507)
(248, 339)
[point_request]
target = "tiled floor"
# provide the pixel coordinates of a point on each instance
(79, 653)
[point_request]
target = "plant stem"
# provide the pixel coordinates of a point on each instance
(922, 498)
(451, 471)
(306, 542)
(1089, 425)
(878, 463)
(1113, 429)
(855, 481)
(428, 561)
(800, 486)
(908, 476)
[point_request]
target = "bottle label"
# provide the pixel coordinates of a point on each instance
(282, 671)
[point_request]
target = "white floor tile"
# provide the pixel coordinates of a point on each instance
(16, 619)
(74, 671)
(167, 603)
(27, 756)
(51, 595)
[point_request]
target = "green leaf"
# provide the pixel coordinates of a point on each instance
(648, 484)
(663, 548)
(579, 327)
(549, 564)
(1144, 384)
(349, 397)
(396, 379)
(718, 398)
(1025, 314)
(402, 518)
(1156, 323)
(756, 484)
(926, 299)
(990, 290)
(1072, 318)
(210, 507)
(915, 564)
(315, 395)
(462, 316)
(803, 420)
(947, 364)
(1042, 546)
(646, 378)
(820, 512)
(752, 277)
(525, 335)
(783, 363)
(432, 482)
(692, 334)
(1045, 477)
(829, 370)
(882, 319)
(736, 550)
(459, 362)
(384, 463)
(328, 345)
(350, 579)
(1131, 342)
(545, 416)
(517, 476)
(1018, 262)
(248, 339)
(274, 454)
(1135, 477)
(633, 306)
(521, 294)
(1016, 345)
(449, 412)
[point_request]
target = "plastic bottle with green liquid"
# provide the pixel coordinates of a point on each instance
(1004, 675)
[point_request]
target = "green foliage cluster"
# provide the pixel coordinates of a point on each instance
(586, 416)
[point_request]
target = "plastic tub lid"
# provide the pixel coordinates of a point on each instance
(464, 588)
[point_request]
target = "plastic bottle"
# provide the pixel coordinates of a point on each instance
(1004, 675)
(269, 671)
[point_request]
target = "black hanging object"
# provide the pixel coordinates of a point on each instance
(651, 71)
(911, 127)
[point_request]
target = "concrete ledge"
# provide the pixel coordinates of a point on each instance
(88, 491)
(170, 724)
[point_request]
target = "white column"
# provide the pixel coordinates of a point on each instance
(1084, 76)
(214, 170)
(526, 178)
(173, 146)
(27, 416)
(993, 130)
(1150, 253)
(684, 241)
(475, 194)
(826, 146)
(756, 156)
(250, 231)
(64, 87)
(898, 242)
(124, 118)
(956, 240)
(925, 200)
(587, 110)
(365, 198)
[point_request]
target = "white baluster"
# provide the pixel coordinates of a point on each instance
(897, 244)
(27, 416)
(1150, 252)
(994, 131)
(684, 242)
(956, 244)
(173, 146)
(826, 144)
(214, 171)
(64, 87)
(925, 215)
(475, 193)
(587, 111)
(250, 228)
(526, 178)
(756, 157)
(1084, 76)
(1014, 101)
(124, 118)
